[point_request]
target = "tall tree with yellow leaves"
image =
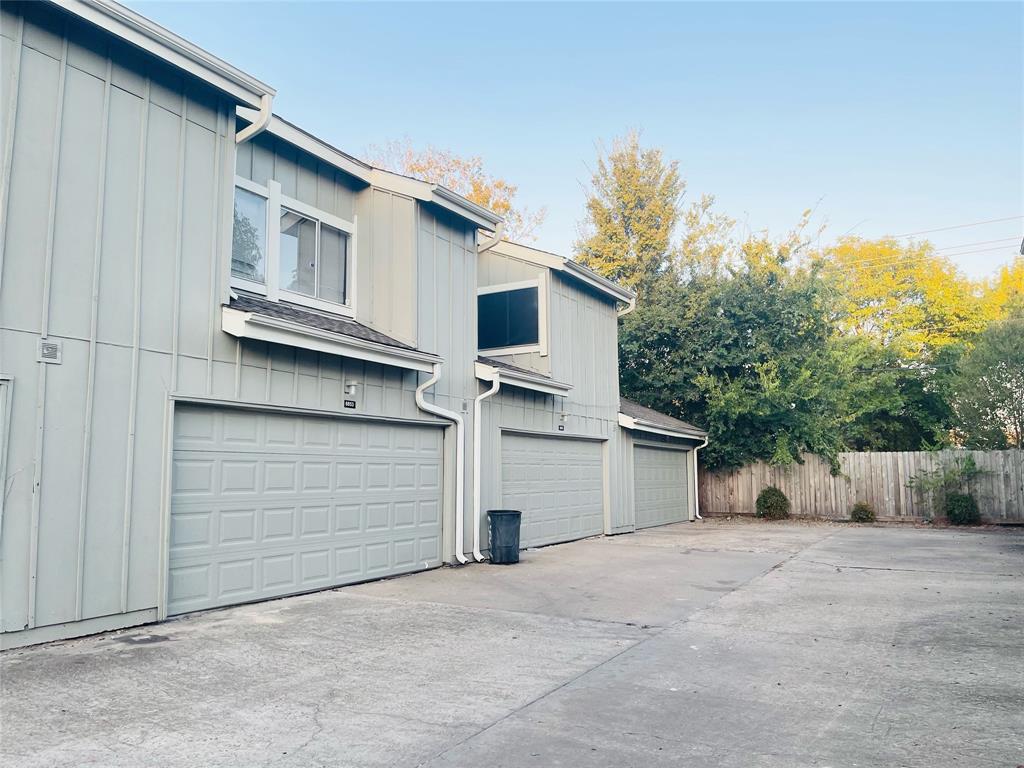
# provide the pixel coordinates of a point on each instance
(632, 211)
(465, 176)
(1004, 294)
(904, 295)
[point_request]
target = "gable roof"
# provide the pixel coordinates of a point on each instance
(147, 35)
(378, 177)
(566, 265)
(640, 416)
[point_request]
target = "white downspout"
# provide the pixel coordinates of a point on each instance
(628, 308)
(477, 452)
(696, 490)
(493, 240)
(460, 455)
(261, 122)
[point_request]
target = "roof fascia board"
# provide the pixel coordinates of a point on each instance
(486, 372)
(563, 264)
(467, 208)
(436, 194)
(251, 325)
(310, 144)
(637, 425)
(139, 31)
(377, 177)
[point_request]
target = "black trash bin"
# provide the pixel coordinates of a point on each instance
(504, 535)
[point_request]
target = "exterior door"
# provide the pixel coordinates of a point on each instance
(557, 483)
(661, 487)
(270, 504)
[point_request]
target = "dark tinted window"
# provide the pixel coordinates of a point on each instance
(508, 318)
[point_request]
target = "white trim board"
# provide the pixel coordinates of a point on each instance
(628, 422)
(537, 383)
(142, 33)
(251, 325)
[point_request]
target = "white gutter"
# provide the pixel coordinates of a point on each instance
(261, 121)
(696, 490)
(460, 455)
(628, 422)
(477, 433)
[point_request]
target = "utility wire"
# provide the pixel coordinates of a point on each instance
(980, 242)
(959, 226)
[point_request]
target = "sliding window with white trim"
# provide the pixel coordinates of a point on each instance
(287, 250)
(512, 318)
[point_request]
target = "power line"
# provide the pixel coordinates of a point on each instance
(890, 260)
(979, 242)
(959, 226)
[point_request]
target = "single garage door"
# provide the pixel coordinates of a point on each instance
(556, 483)
(267, 504)
(661, 486)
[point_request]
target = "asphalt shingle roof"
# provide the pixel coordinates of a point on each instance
(509, 367)
(651, 416)
(248, 303)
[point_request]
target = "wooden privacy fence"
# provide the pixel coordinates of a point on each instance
(879, 478)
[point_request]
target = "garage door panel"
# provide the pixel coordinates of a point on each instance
(263, 505)
(557, 484)
(661, 486)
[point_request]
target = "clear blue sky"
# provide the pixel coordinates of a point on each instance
(886, 118)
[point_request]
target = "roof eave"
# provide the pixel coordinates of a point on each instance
(640, 425)
(486, 372)
(142, 33)
(566, 265)
(253, 325)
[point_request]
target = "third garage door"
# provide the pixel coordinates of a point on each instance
(660, 486)
(556, 483)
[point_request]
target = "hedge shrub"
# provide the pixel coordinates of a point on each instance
(772, 504)
(962, 509)
(862, 512)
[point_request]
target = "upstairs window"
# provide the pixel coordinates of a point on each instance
(285, 249)
(511, 318)
(314, 258)
(249, 237)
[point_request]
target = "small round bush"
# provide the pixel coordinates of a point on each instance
(962, 509)
(772, 504)
(862, 512)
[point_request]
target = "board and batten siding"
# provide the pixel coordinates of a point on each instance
(385, 267)
(110, 206)
(879, 478)
(116, 195)
(584, 353)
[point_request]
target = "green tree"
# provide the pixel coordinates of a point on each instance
(632, 211)
(989, 388)
(744, 351)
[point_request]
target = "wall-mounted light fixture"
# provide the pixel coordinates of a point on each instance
(563, 417)
(350, 387)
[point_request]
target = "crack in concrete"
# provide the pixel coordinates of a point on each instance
(839, 566)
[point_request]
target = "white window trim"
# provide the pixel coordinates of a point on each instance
(541, 347)
(240, 282)
(272, 289)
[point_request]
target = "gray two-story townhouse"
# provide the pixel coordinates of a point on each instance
(237, 363)
(555, 440)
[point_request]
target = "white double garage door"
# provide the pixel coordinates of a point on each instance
(270, 504)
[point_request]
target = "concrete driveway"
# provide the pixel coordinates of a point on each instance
(709, 644)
